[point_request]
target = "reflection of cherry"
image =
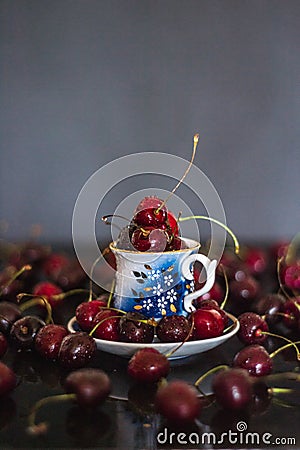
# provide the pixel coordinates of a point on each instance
(87, 428)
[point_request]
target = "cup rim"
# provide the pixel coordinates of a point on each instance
(195, 245)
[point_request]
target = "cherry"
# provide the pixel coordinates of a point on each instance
(91, 386)
(255, 260)
(24, 331)
(216, 293)
(291, 311)
(86, 311)
(261, 398)
(3, 344)
(208, 323)
(172, 224)
(106, 325)
(48, 340)
(269, 306)
(255, 359)
(148, 365)
(9, 313)
(178, 402)
(147, 212)
(212, 304)
(173, 328)
(48, 290)
(232, 388)
(8, 379)
(292, 276)
(243, 292)
(252, 328)
(150, 239)
(76, 350)
(54, 264)
(132, 328)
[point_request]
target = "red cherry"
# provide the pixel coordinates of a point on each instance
(232, 388)
(292, 276)
(76, 350)
(86, 312)
(48, 290)
(255, 359)
(291, 311)
(216, 293)
(212, 304)
(108, 328)
(54, 264)
(48, 340)
(255, 260)
(252, 328)
(148, 365)
(150, 239)
(172, 223)
(178, 402)
(208, 323)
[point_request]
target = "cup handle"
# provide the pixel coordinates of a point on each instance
(210, 268)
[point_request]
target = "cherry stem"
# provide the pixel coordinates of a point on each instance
(226, 287)
(234, 238)
(171, 352)
(210, 372)
(41, 428)
(279, 261)
(106, 217)
(14, 276)
(71, 292)
(91, 276)
(281, 390)
(291, 376)
(278, 350)
(285, 339)
(112, 289)
(36, 301)
(101, 322)
(196, 140)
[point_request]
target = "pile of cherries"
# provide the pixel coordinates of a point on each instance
(42, 274)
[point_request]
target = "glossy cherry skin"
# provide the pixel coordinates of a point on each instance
(178, 402)
(91, 386)
(86, 312)
(212, 304)
(150, 239)
(9, 313)
(208, 323)
(173, 328)
(291, 311)
(108, 328)
(48, 340)
(172, 223)
(8, 379)
(292, 276)
(270, 305)
(24, 331)
(232, 388)
(133, 329)
(148, 365)
(3, 344)
(252, 327)
(76, 350)
(255, 359)
(147, 213)
(48, 290)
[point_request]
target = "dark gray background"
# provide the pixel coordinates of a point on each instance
(85, 82)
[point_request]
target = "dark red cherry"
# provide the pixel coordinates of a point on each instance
(48, 340)
(291, 311)
(9, 313)
(212, 304)
(243, 292)
(54, 264)
(269, 306)
(172, 223)
(255, 359)
(147, 212)
(178, 402)
(255, 260)
(232, 388)
(261, 398)
(23, 332)
(173, 328)
(86, 312)
(252, 328)
(148, 365)
(48, 290)
(8, 379)
(76, 350)
(108, 328)
(216, 293)
(133, 328)
(3, 344)
(91, 386)
(150, 239)
(208, 323)
(175, 243)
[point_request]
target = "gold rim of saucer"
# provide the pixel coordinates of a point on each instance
(171, 252)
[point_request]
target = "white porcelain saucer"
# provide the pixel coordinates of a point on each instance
(187, 349)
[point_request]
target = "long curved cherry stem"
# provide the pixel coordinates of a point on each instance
(210, 219)
(42, 427)
(279, 261)
(14, 276)
(226, 287)
(111, 293)
(101, 322)
(196, 140)
(267, 333)
(34, 302)
(210, 372)
(171, 352)
(71, 292)
(91, 277)
(278, 350)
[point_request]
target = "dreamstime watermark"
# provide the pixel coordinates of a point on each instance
(100, 184)
(240, 436)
